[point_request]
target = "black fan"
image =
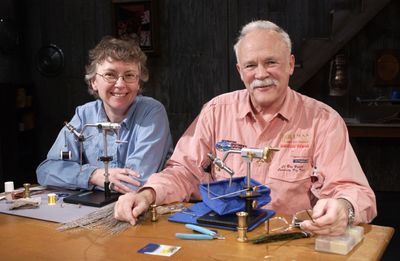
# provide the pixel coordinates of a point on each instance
(50, 60)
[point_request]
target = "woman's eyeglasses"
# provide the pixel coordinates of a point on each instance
(113, 78)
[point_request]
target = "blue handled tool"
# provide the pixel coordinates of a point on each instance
(206, 234)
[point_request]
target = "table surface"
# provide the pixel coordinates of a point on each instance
(24, 238)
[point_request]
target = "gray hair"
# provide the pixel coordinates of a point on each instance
(126, 50)
(263, 25)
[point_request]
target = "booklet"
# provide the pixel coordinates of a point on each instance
(159, 250)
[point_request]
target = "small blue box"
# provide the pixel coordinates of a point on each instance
(232, 203)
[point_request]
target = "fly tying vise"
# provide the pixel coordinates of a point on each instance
(105, 127)
(248, 154)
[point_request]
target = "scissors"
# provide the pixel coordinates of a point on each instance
(206, 234)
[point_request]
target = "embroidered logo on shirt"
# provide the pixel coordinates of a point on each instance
(295, 140)
(296, 168)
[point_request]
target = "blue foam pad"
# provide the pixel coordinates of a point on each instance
(234, 202)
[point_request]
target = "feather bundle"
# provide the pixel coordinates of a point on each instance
(101, 219)
(268, 238)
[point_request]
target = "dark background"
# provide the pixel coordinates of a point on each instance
(193, 61)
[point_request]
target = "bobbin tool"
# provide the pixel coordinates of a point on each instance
(205, 234)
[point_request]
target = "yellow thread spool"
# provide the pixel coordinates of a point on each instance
(51, 199)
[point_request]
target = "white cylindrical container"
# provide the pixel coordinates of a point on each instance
(8, 189)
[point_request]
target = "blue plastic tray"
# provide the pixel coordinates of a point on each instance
(231, 203)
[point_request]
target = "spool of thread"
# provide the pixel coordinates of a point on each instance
(51, 199)
(8, 189)
(65, 155)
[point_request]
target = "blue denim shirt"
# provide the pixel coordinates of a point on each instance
(147, 145)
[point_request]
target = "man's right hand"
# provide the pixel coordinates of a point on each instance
(132, 204)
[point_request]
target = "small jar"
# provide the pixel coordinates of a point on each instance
(9, 189)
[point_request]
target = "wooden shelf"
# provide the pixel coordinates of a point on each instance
(373, 130)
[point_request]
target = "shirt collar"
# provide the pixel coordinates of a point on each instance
(102, 116)
(131, 111)
(246, 110)
(286, 111)
(288, 107)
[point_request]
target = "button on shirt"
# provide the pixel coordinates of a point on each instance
(146, 144)
(309, 135)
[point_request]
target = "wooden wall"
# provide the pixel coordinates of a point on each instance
(378, 155)
(194, 64)
(195, 61)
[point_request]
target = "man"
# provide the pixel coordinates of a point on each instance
(315, 168)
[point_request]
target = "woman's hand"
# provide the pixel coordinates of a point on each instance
(116, 178)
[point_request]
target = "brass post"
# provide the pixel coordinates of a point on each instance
(27, 193)
(242, 226)
(154, 217)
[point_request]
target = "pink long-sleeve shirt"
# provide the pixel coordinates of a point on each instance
(309, 135)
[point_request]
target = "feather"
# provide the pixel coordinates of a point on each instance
(268, 238)
(101, 219)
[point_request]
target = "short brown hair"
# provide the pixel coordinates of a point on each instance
(126, 50)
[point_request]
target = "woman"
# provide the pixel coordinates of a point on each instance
(114, 74)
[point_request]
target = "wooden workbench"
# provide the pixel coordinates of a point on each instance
(29, 239)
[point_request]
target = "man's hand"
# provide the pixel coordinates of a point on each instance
(131, 205)
(116, 176)
(330, 218)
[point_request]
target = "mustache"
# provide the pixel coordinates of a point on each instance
(266, 82)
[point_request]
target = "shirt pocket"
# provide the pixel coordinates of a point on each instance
(294, 165)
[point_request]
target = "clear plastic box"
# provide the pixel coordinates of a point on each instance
(340, 244)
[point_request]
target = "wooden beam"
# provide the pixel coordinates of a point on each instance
(317, 52)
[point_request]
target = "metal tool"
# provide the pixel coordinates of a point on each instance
(248, 154)
(92, 198)
(104, 126)
(79, 138)
(65, 154)
(206, 234)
